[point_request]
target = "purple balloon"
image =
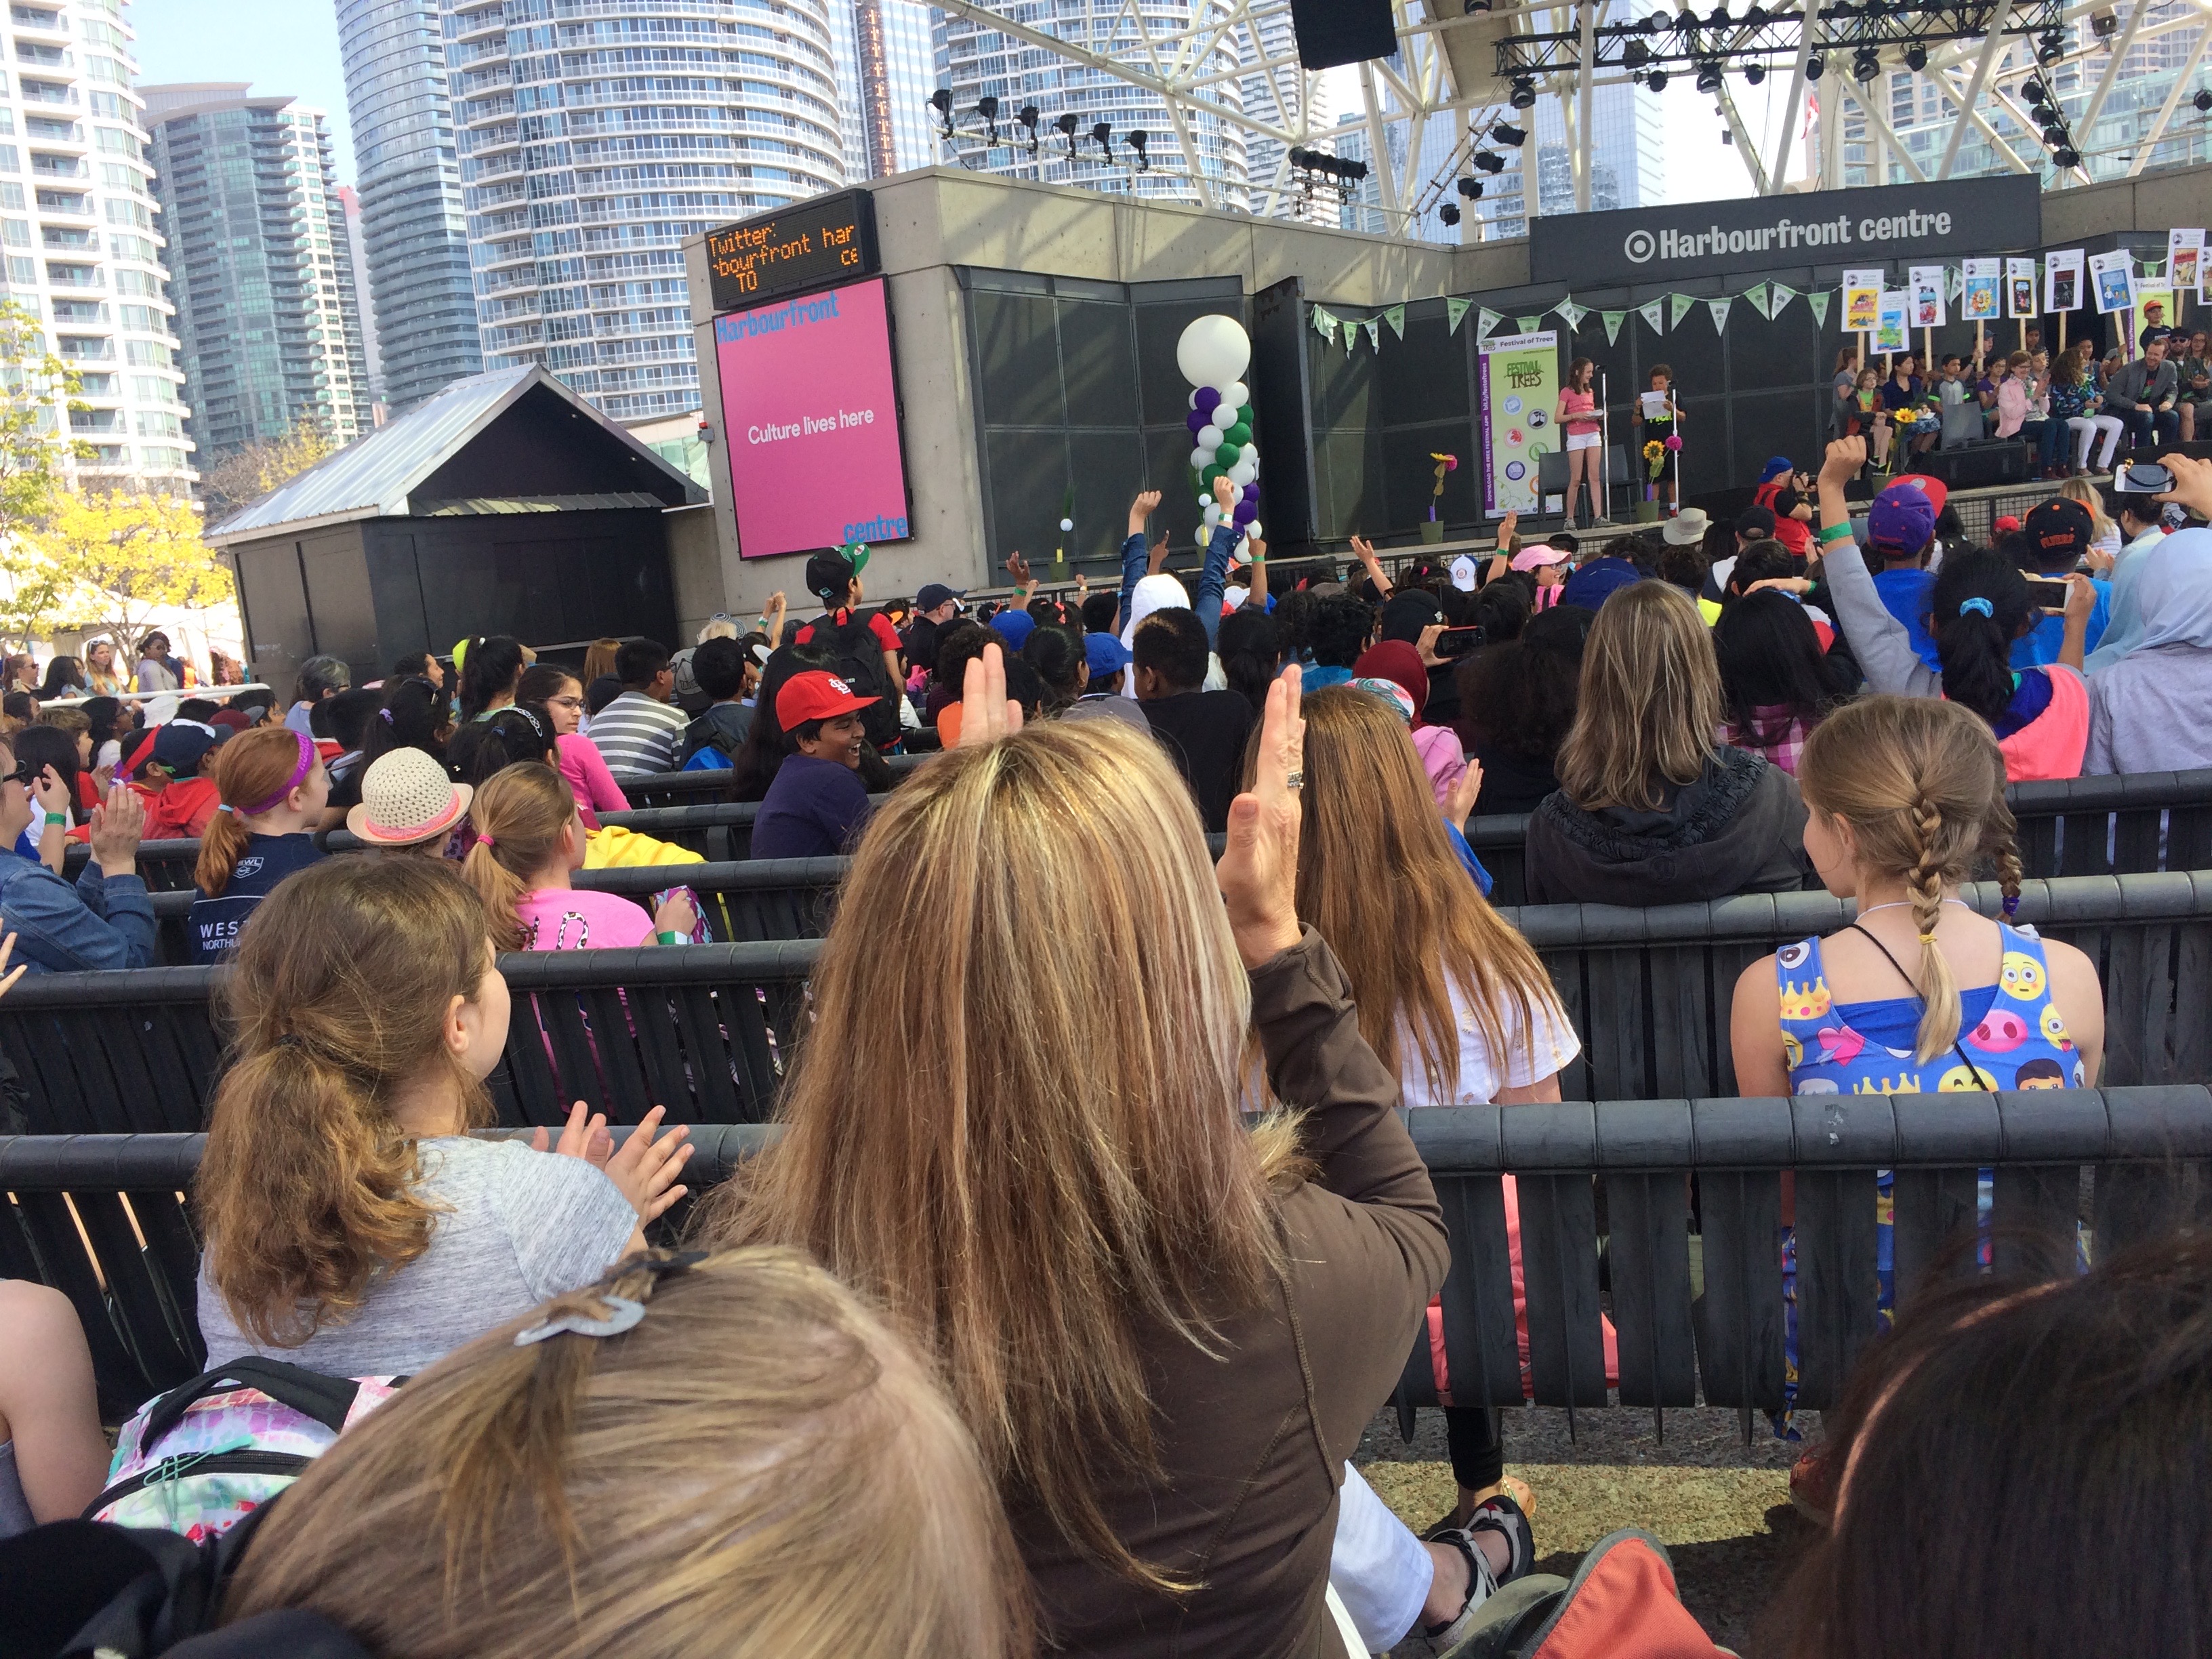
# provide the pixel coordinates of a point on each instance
(1252, 492)
(1247, 510)
(1208, 397)
(1195, 421)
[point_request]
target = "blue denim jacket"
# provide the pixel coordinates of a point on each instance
(1213, 579)
(106, 921)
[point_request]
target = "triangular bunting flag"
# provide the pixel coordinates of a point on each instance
(1528, 325)
(1350, 330)
(1720, 310)
(1571, 314)
(1324, 324)
(1456, 313)
(1757, 294)
(1778, 295)
(1683, 305)
(1818, 299)
(1954, 281)
(1484, 320)
(1374, 328)
(1613, 319)
(1654, 311)
(1396, 318)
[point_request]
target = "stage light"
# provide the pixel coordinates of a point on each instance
(2066, 157)
(1448, 212)
(1814, 69)
(1754, 73)
(2032, 90)
(1103, 135)
(1490, 160)
(2202, 100)
(1916, 58)
(2105, 24)
(1136, 140)
(1524, 92)
(1720, 19)
(2049, 48)
(1865, 65)
(1507, 134)
(1709, 77)
(941, 101)
(1755, 18)
(1471, 188)
(988, 107)
(1656, 80)
(2054, 136)
(1029, 117)
(1635, 55)
(1471, 7)
(1651, 25)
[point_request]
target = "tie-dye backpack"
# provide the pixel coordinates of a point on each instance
(204, 1455)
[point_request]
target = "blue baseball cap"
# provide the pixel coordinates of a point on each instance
(1106, 655)
(1014, 627)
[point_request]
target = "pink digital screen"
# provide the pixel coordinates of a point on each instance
(810, 416)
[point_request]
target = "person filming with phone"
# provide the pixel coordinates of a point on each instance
(2150, 685)
(2139, 489)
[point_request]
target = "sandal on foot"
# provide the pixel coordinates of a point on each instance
(1499, 1515)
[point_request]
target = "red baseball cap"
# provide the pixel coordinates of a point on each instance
(815, 695)
(1934, 489)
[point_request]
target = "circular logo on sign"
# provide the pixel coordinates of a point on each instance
(1537, 417)
(1639, 246)
(1515, 470)
(1512, 405)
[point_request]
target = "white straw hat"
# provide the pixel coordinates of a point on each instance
(406, 798)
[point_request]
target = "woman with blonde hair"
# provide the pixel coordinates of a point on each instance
(751, 1465)
(1652, 807)
(2105, 537)
(1165, 1329)
(530, 840)
(100, 674)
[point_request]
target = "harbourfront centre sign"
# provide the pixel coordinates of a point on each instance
(1888, 222)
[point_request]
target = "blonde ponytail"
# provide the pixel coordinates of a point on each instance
(519, 815)
(1939, 992)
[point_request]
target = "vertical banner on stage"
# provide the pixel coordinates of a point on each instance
(1925, 284)
(2062, 280)
(2112, 279)
(1980, 297)
(1892, 322)
(2020, 289)
(1519, 381)
(2184, 263)
(1862, 292)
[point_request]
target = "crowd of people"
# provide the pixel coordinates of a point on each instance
(1062, 1329)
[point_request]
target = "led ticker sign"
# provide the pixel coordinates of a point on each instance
(830, 238)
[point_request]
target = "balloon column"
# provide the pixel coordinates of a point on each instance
(1213, 353)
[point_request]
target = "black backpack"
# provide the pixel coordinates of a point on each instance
(856, 657)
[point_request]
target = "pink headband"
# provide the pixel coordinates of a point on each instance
(299, 776)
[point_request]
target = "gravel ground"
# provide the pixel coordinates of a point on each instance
(1721, 1506)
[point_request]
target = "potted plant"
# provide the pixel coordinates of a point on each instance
(1432, 529)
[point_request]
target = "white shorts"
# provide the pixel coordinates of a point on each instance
(1583, 441)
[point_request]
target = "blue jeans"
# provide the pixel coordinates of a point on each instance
(2142, 427)
(2050, 441)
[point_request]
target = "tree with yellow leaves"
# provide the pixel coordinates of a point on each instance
(246, 474)
(106, 562)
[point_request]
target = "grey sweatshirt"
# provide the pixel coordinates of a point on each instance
(1877, 639)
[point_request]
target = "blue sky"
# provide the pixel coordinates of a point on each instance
(280, 46)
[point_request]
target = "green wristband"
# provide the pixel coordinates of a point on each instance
(56, 817)
(1836, 532)
(671, 938)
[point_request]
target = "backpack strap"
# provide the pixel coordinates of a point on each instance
(327, 1399)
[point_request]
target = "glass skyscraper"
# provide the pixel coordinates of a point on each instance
(261, 267)
(885, 73)
(595, 139)
(77, 234)
(412, 224)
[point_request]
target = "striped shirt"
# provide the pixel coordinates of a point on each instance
(637, 737)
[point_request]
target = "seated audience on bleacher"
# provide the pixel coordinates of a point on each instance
(106, 919)
(409, 804)
(1066, 1189)
(760, 755)
(818, 803)
(1203, 732)
(490, 667)
(560, 695)
(1978, 606)
(414, 714)
(1518, 704)
(1443, 759)
(53, 1458)
(274, 789)
(1777, 682)
(2150, 710)
(165, 769)
(805, 1492)
(1338, 629)
(1653, 808)
(352, 1225)
(640, 732)
(530, 839)
(340, 725)
(2144, 529)
(2022, 1472)
(49, 755)
(719, 668)
(320, 679)
(1107, 660)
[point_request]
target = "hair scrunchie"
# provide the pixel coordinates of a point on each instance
(1979, 605)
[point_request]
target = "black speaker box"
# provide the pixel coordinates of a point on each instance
(1975, 466)
(1333, 32)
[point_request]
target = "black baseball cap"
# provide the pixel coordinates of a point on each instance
(828, 575)
(2056, 529)
(933, 594)
(1755, 521)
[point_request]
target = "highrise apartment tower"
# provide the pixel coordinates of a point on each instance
(594, 138)
(77, 232)
(412, 223)
(261, 271)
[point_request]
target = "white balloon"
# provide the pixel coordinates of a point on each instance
(1068, 523)
(1252, 530)
(1209, 437)
(1243, 472)
(1193, 399)
(1212, 515)
(1200, 460)
(1236, 395)
(1213, 351)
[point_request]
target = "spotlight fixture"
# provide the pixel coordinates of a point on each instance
(1839, 13)
(2066, 158)
(1916, 58)
(1029, 117)
(1490, 160)
(1472, 8)
(1709, 77)
(1065, 126)
(1656, 80)
(1103, 135)
(1755, 18)
(1505, 133)
(988, 107)
(1814, 69)
(1136, 140)
(2032, 90)
(1651, 25)
(1635, 55)
(2105, 24)
(1448, 212)
(2054, 136)
(1865, 65)
(1471, 188)
(941, 101)
(2203, 101)
(1720, 19)
(2049, 49)
(1524, 92)
(1754, 72)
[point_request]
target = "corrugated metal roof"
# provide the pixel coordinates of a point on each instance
(372, 477)
(479, 506)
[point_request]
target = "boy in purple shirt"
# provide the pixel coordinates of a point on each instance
(817, 801)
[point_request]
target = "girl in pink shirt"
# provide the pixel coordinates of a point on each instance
(528, 840)
(562, 695)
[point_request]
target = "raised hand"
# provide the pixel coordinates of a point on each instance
(645, 1168)
(50, 792)
(7, 950)
(1258, 874)
(1364, 550)
(986, 714)
(1844, 459)
(1459, 804)
(1158, 557)
(1146, 504)
(116, 828)
(2193, 483)
(582, 1136)
(1226, 494)
(1018, 568)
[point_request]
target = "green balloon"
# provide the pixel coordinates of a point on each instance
(1211, 473)
(1226, 457)
(1239, 434)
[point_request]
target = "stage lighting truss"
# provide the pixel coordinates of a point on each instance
(1733, 41)
(1317, 169)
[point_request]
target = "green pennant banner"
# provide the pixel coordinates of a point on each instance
(1720, 310)
(1324, 324)
(1484, 320)
(1395, 316)
(1654, 311)
(1779, 295)
(1613, 319)
(1683, 306)
(1456, 313)
(1955, 282)
(1351, 332)
(1528, 325)
(1571, 314)
(1756, 293)
(1374, 332)
(1818, 299)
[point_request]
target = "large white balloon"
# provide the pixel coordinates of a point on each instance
(1244, 471)
(1252, 532)
(1200, 460)
(1213, 351)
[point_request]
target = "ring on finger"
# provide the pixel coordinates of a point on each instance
(1294, 779)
